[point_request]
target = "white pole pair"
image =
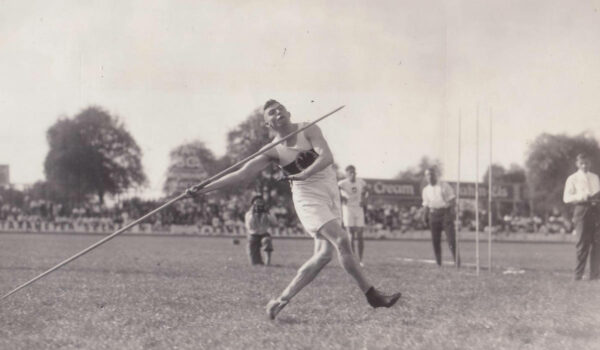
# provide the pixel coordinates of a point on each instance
(184, 194)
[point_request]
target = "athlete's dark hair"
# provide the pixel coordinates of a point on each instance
(269, 103)
(582, 156)
(350, 167)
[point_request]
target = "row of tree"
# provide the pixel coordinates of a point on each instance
(92, 154)
(550, 160)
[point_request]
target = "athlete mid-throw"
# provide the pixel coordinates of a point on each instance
(307, 161)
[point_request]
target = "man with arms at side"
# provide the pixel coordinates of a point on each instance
(581, 190)
(307, 160)
(353, 194)
(439, 201)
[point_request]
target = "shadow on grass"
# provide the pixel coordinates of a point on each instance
(288, 320)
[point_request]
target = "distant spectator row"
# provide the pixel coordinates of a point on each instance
(225, 215)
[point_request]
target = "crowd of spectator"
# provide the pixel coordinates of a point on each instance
(214, 214)
(225, 215)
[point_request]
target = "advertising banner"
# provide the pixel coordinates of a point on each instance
(398, 190)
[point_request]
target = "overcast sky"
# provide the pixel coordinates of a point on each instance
(181, 71)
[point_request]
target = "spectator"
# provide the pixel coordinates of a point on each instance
(258, 221)
(581, 189)
(439, 201)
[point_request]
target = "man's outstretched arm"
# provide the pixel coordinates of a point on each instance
(247, 172)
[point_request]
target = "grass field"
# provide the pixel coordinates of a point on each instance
(200, 293)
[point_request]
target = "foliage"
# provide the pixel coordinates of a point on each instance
(11, 196)
(248, 138)
(550, 160)
(417, 173)
(189, 164)
(515, 174)
(92, 153)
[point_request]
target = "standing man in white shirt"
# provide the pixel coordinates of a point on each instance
(439, 201)
(353, 192)
(580, 189)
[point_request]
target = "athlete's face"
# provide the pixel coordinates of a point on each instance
(430, 176)
(276, 116)
(583, 164)
(259, 205)
(351, 174)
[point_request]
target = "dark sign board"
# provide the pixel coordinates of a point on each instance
(411, 191)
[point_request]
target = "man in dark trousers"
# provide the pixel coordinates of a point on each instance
(439, 201)
(258, 222)
(581, 189)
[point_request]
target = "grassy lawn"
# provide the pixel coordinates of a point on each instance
(200, 293)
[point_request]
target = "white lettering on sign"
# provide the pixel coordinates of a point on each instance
(393, 189)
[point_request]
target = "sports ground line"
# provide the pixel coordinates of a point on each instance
(505, 270)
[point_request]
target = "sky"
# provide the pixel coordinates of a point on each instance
(407, 72)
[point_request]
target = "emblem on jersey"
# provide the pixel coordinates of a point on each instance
(303, 160)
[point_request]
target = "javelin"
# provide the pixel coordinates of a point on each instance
(182, 195)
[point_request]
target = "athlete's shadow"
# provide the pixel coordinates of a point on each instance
(290, 320)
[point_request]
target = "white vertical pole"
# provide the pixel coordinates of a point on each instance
(490, 200)
(457, 222)
(477, 190)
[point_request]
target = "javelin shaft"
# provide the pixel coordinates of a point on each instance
(133, 223)
(95, 245)
(262, 151)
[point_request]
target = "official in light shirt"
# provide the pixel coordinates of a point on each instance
(581, 189)
(439, 201)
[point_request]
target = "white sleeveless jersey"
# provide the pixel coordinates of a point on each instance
(316, 199)
(288, 155)
(352, 191)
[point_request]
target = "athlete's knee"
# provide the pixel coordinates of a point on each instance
(336, 235)
(343, 244)
(324, 255)
(324, 258)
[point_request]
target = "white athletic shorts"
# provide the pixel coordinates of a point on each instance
(353, 216)
(316, 204)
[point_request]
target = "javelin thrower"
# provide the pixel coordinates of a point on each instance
(307, 159)
(307, 162)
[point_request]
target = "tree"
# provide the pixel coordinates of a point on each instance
(514, 174)
(248, 138)
(417, 174)
(189, 164)
(92, 153)
(498, 173)
(550, 160)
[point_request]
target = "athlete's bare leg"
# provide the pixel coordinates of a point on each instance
(335, 237)
(322, 256)
(334, 233)
(361, 242)
(352, 238)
